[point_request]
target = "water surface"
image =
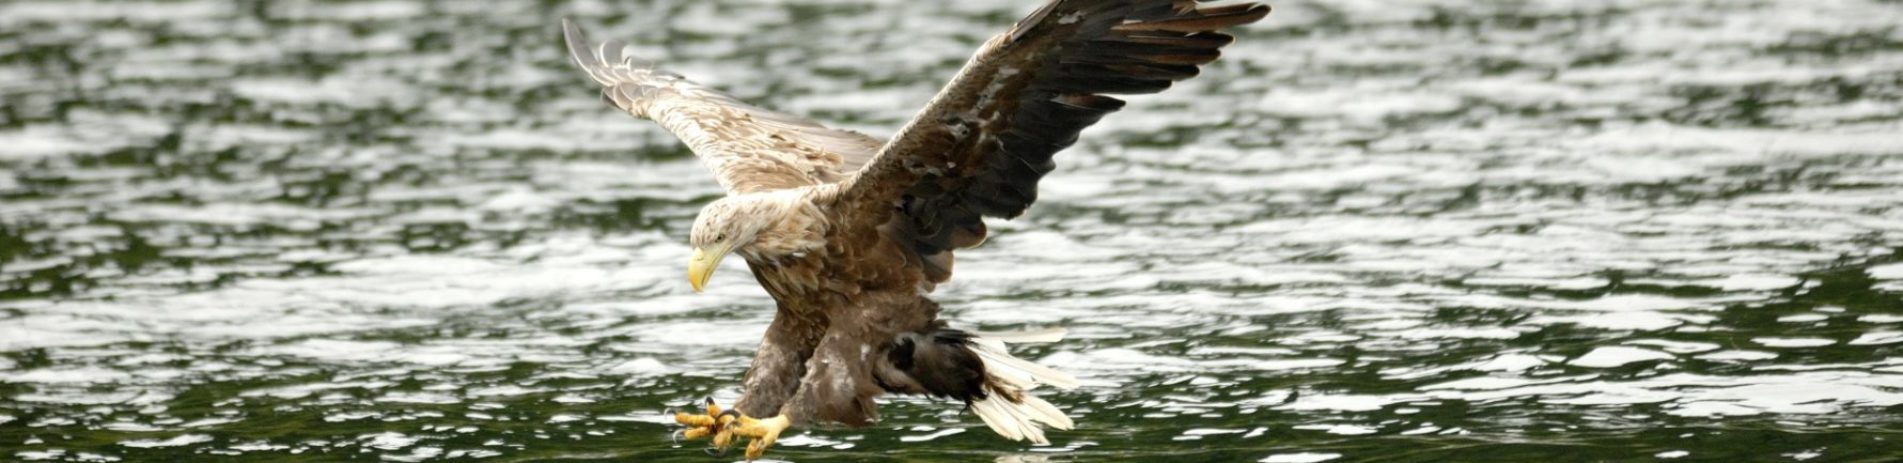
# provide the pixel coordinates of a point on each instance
(1411, 230)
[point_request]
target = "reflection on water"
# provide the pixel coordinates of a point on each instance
(1398, 231)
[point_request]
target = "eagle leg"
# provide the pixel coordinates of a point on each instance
(763, 432)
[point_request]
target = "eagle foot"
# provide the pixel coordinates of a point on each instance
(762, 431)
(724, 425)
(713, 423)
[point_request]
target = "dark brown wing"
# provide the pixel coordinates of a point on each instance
(978, 149)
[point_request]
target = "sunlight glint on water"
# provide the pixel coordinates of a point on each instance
(1406, 231)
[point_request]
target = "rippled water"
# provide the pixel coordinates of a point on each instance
(1413, 230)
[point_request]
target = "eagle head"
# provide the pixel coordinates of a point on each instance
(727, 224)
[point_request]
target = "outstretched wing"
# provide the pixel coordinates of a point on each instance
(978, 149)
(749, 148)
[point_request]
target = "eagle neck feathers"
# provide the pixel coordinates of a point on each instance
(794, 226)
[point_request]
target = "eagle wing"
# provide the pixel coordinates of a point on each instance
(979, 147)
(748, 147)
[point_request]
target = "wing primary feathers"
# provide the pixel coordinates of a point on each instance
(749, 148)
(1027, 95)
(1202, 19)
(629, 84)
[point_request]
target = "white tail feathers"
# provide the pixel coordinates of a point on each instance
(1043, 336)
(1008, 406)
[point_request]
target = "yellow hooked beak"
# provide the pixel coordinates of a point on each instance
(702, 266)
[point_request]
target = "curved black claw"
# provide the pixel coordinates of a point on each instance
(715, 452)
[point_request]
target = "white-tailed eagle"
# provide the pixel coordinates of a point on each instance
(850, 233)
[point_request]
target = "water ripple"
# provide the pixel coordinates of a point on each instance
(1414, 230)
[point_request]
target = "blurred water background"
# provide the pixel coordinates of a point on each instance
(1408, 230)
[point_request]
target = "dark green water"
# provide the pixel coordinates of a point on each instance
(1376, 231)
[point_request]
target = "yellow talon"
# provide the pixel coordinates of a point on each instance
(694, 433)
(763, 432)
(702, 425)
(723, 436)
(695, 421)
(724, 427)
(699, 421)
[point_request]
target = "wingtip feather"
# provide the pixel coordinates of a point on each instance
(577, 40)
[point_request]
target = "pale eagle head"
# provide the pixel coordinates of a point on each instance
(730, 223)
